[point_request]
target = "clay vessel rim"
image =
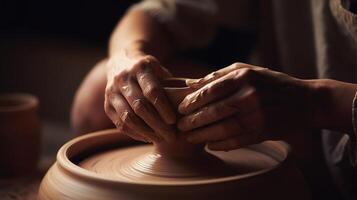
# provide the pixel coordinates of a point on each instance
(22, 102)
(66, 164)
(175, 83)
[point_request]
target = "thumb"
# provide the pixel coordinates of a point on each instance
(198, 83)
(164, 72)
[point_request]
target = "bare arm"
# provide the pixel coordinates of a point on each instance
(134, 98)
(138, 33)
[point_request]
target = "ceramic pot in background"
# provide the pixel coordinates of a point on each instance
(19, 134)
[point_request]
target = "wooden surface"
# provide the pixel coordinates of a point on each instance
(25, 188)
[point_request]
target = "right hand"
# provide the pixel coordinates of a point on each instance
(135, 101)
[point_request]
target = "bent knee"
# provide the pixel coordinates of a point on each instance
(88, 105)
(85, 120)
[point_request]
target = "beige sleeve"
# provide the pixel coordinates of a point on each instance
(193, 23)
(353, 137)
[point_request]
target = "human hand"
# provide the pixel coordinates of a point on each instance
(135, 100)
(243, 104)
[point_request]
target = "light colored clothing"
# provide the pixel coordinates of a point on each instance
(311, 38)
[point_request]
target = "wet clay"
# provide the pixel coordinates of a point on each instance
(174, 161)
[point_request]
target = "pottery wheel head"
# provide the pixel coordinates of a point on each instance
(141, 163)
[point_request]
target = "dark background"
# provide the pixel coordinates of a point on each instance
(47, 47)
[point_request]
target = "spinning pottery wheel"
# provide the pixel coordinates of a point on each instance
(109, 165)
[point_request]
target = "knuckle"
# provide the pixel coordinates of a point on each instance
(224, 84)
(140, 106)
(127, 117)
(150, 60)
(151, 92)
(140, 66)
(144, 63)
(237, 65)
(120, 126)
(121, 77)
(247, 72)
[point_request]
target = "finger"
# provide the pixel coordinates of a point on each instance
(235, 142)
(241, 101)
(127, 116)
(153, 91)
(122, 128)
(211, 92)
(197, 83)
(142, 107)
(218, 131)
(153, 63)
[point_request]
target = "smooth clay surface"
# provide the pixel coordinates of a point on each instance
(141, 163)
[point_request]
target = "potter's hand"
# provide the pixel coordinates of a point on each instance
(242, 105)
(135, 101)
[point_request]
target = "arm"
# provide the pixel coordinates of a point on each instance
(149, 33)
(134, 99)
(333, 102)
(138, 33)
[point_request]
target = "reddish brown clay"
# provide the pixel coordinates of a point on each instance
(108, 165)
(19, 134)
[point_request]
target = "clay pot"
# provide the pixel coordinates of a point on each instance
(19, 135)
(108, 165)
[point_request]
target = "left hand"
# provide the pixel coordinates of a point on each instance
(242, 105)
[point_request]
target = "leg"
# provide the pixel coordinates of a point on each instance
(88, 106)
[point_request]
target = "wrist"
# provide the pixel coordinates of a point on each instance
(318, 102)
(138, 49)
(330, 104)
(131, 50)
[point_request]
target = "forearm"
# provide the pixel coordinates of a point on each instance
(139, 33)
(333, 104)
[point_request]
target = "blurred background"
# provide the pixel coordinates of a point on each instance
(47, 47)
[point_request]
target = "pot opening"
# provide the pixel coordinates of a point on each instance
(12, 102)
